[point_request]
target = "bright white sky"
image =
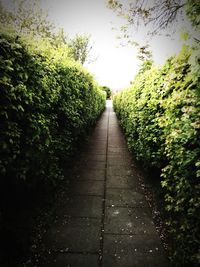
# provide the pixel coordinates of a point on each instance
(115, 66)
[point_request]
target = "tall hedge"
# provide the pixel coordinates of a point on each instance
(160, 114)
(46, 105)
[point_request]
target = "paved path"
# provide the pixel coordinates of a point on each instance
(104, 220)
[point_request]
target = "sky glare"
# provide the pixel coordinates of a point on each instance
(115, 66)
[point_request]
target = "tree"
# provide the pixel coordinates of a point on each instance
(5, 16)
(107, 90)
(156, 16)
(193, 12)
(159, 13)
(27, 17)
(80, 47)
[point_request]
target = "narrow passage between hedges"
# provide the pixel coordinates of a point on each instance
(103, 218)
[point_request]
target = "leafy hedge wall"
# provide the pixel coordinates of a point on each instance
(46, 105)
(160, 114)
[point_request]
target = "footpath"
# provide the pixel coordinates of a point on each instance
(104, 219)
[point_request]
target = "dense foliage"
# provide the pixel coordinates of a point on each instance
(160, 114)
(107, 90)
(47, 103)
(28, 18)
(80, 48)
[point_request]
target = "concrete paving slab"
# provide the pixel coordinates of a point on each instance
(116, 139)
(100, 136)
(118, 171)
(122, 157)
(92, 164)
(71, 260)
(88, 187)
(125, 198)
(91, 174)
(88, 157)
(120, 220)
(133, 251)
(98, 151)
(97, 144)
(94, 147)
(123, 182)
(114, 149)
(117, 163)
(74, 234)
(122, 153)
(81, 206)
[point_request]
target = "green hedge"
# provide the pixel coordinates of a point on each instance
(160, 114)
(46, 105)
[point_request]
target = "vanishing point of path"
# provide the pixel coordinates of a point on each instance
(104, 220)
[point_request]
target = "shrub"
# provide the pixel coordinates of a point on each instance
(47, 105)
(160, 114)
